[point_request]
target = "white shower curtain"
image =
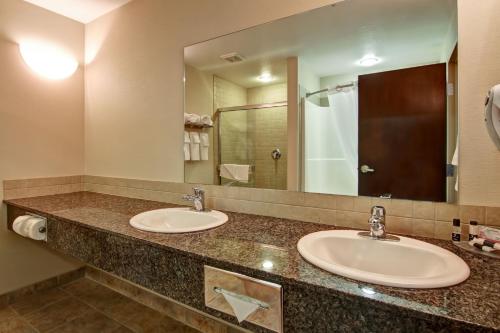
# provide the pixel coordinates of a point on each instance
(344, 105)
(331, 145)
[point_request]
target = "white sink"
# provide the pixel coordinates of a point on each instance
(176, 220)
(408, 263)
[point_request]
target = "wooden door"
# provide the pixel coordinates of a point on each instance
(402, 133)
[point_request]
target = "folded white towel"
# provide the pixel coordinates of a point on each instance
(187, 141)
(192, 119)
(194, 137)
(204, 153)
(239, 172)
(204, 140)
(194, 146)
(206, 120)
(187, 152)
(204, 144)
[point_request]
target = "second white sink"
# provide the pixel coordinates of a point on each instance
(408, 263)
(177, 220)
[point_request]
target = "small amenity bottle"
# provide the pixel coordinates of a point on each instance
(473, 230)
(456, 231)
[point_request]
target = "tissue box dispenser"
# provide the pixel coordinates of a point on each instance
(268, 296)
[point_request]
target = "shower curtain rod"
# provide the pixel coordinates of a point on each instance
(338, 87)
(248, 107)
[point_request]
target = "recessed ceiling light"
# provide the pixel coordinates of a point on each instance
(265, 77)
(369, 60)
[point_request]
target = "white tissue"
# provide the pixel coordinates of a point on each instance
(241, 309)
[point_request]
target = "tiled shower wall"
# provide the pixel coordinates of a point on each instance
(234, 146)
(267, 130)
(249, 137)
(427, 219)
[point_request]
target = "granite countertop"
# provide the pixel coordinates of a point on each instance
(249, 240)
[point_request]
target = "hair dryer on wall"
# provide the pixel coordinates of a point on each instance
(492, 114)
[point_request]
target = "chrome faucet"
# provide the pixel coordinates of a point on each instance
(377, 226)
(377, 222)
(198, 199)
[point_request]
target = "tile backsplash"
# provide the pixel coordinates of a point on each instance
(21, 188)
(418, 218)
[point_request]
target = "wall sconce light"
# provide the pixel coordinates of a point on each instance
(47, 60)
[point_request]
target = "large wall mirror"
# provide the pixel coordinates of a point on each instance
(355, 98)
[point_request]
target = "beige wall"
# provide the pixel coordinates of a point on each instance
(478, 71)
(41, 128)
(134, 84)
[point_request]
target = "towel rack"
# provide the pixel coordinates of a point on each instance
(252, 168)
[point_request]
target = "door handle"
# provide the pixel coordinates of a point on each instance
(366, 169)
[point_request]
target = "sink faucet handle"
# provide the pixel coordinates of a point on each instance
(198, 191)
(188, 197)
(198, 199)
(377, 225)
(378, 212)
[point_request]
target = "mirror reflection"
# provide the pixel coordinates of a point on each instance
(356, 98)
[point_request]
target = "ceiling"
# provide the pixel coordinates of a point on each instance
(83, 11)
(331, 40)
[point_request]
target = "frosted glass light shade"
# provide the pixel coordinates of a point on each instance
(47, 60)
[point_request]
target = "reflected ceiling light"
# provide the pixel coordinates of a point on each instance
(369, 60)
(265, 77)
(267, 264)
(368, 290)
(47, 60)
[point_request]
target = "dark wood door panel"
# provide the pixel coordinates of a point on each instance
(402, 133)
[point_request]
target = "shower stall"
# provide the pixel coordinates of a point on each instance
(330, 142)
(253, 135)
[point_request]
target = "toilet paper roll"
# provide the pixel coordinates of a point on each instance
(19, 225)
(37, 228)
(240, 308)
(31, 227)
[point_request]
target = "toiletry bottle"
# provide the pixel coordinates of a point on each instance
(473, 230)
(456, 231)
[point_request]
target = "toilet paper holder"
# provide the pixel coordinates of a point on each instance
(42, 229)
